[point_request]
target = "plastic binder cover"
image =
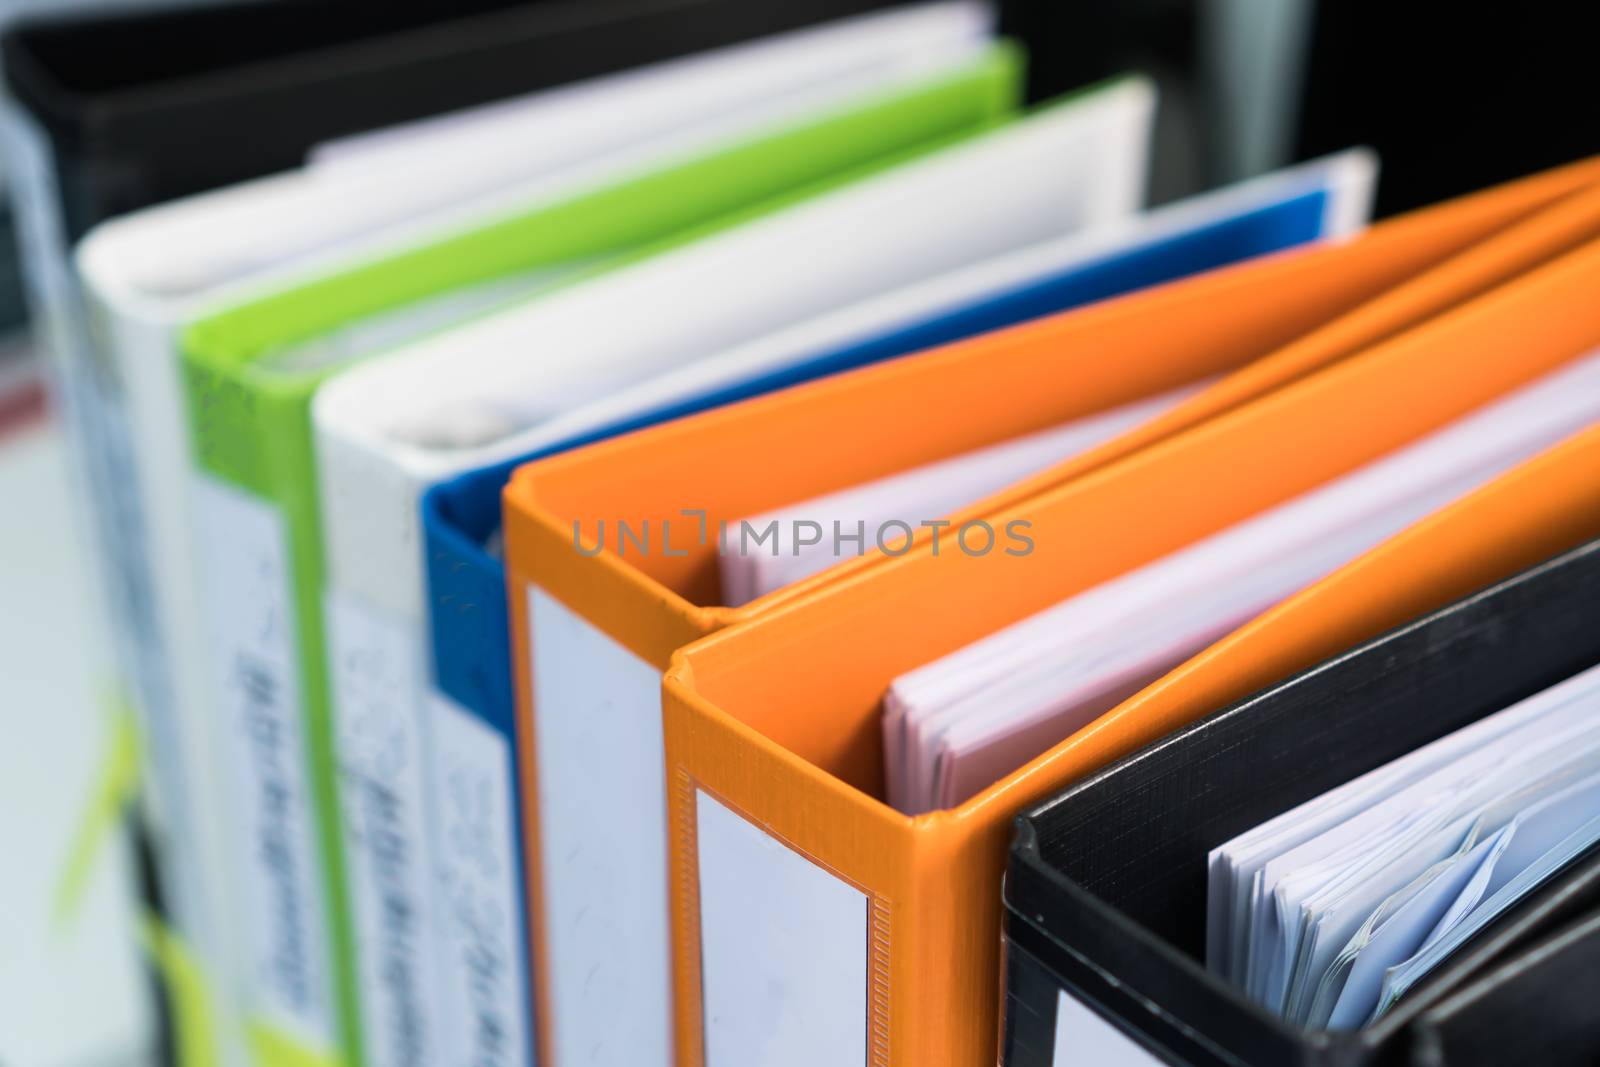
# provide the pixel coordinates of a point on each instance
(384, 431)
(148, 272)
(1536, 1004)
(1106, 891)
(631, 613)
(250, 377)
(774, 760)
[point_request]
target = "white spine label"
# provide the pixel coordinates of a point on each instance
(374, 663)
(783, 950)
(484, 949)
(247, 590)
(1082, 1037)
(602, 841)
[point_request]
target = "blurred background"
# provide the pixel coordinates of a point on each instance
(1452, 97)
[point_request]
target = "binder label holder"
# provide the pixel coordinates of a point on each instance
(250, 609)
(761, 898)
(373, 667)
(1081, 1036)
(599, 845)
(478, 859)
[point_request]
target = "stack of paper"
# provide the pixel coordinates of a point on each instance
(954, 726)
(1330, 912)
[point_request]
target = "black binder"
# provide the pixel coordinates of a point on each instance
(1538, 1006)
(1105, 894)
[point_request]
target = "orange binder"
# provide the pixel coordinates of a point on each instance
(593, 630)
(792, 878)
